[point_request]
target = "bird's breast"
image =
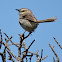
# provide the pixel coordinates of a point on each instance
(27, 25)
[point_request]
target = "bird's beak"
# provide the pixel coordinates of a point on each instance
(17, 9)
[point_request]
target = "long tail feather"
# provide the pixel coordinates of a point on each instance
(47, 20)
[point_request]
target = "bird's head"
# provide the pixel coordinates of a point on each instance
(23, 11)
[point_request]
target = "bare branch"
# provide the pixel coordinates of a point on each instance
(14, 43)
(2, 57)
(40, 59)
(54, 53)
(53, 59)
(28, 35)
(4, 54)
(31, 44)
(9, 50)
(57, 42)
(0, 39)
(20, 45)
(41, 53)
(21, 53)
(10, 56)
(10, 39)
(25, 52)
(44, 57)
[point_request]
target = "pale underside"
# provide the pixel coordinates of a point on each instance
(27, 25)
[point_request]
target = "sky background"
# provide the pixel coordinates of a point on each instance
(42, 9)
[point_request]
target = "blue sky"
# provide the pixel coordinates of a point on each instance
(42, 9)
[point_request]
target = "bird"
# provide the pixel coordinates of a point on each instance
(28, 21)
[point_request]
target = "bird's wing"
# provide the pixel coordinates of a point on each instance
(29, 17)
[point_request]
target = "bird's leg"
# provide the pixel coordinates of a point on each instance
(30, 32)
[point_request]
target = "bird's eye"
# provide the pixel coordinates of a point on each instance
(22, 11)
(23, 16)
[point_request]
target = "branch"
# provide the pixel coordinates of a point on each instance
(54, 53)
(9, 50)
(41, 53)
(0, 39)
(23, 36)
(25, 52)
(53, 59)
(2, 57)
(57, 42)
(44, 57)
(10, 56)
(20, 45)
(10, 39)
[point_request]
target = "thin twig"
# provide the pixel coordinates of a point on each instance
(31, 44)
(57, 42)
(10, 56)
(25, 52)
(10, 40)
(4, 54)
(2, 57)
(26, 59)
(41, 53)
(20, 45)
(27, 35)
(9, 50)
(54, 53)
(0, 39)
(53, 59)
(44, 57)
(14, 43)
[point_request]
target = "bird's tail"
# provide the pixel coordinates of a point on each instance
(47, 20)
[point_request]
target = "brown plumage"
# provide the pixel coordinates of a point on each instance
(28, 21)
